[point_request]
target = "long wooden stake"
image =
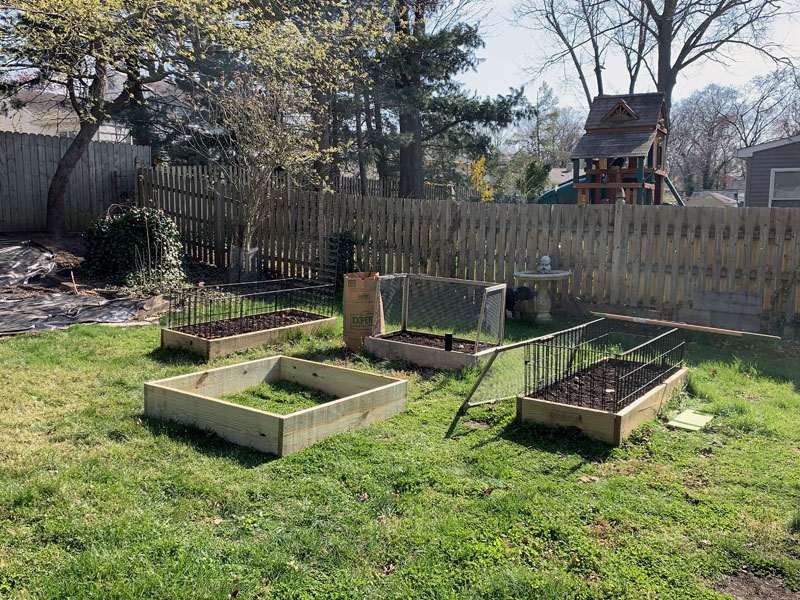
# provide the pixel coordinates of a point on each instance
(733, 332)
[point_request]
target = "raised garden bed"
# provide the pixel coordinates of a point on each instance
(215, 339)
(418, 310)
(219, 320)
(426, 349)
(603, 378)
(196, 399)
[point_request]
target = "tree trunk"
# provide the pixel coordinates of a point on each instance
(60, 181)
(412, 182)
(322, 125)
(665, 75)
(362, 165)
(418, 182)
(381, 160)
(410, 121)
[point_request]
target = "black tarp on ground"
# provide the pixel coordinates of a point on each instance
(24, 261)
(51, 311)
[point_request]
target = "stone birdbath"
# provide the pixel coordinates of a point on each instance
(541, 280)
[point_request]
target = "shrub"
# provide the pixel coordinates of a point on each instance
(345, 244)
(139, 247)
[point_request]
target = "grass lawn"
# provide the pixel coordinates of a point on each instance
(279, 397)
(97, 501)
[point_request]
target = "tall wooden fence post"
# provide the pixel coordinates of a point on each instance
(219, 224)
(618, 271)
(138, 189)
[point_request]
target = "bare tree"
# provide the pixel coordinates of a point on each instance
(711, 125)
(681, 33)
(634, 43)
(582, 30)
(687, 32)
(703, 152)
(258, 131)
(760, 108)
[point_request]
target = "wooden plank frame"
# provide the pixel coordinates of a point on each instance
(610, 427)
(214, 348)
(362, 398)
(423, 356)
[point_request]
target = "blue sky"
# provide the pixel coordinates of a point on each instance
(511, 48)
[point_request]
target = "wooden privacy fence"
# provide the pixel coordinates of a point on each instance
(105, 175)
(679, 262)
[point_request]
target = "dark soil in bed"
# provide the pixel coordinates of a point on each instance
(595, 386)
(249, 324)
(435, 341)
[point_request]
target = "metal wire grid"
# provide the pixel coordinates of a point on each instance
(240, 304)
(601, 364)
(470, 310)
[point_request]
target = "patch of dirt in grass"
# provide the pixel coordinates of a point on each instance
(477, 424)
(745, 585)
(279, 397)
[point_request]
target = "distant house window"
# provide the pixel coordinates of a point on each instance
(784, 185)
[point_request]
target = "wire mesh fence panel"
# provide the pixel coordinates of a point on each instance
(390, 290)
(493, 320)
(472, 312)
(434, 305)
(441, 307)
(502, 376)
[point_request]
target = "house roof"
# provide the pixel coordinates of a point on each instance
(707, 198)
(560, 175)
(750, 150)
(39, 105)
(613, 144)
(646, 108)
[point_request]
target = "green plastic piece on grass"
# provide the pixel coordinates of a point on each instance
(690, 420)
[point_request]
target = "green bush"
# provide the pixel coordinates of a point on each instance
(344, 244)
(139, 247)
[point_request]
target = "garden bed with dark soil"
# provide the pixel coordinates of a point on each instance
(432, 340)
(249, 324)
(595, 386)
